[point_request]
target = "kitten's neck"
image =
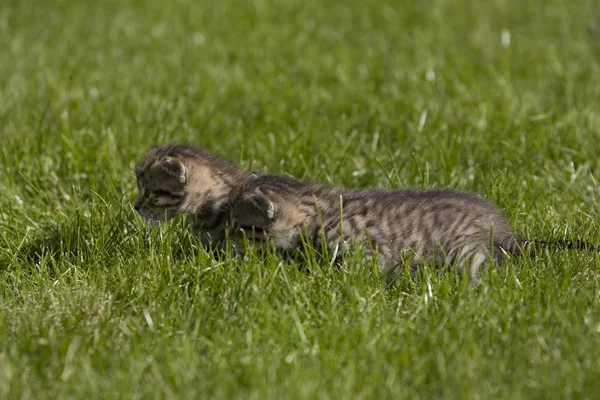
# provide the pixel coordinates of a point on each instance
(209, 189)
(208, 200)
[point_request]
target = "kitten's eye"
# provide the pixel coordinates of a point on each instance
(163, 193)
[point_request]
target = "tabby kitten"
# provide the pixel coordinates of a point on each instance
(396, 226)
(176, 179)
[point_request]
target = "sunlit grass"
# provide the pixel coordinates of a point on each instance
(358, 94)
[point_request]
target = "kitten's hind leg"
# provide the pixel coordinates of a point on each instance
(410, 263)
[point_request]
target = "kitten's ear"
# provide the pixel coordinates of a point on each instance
(175, 168)
(261, 203)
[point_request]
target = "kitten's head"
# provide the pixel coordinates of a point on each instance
(253, 209)
(174, 179)
(161, 188)
(261, 214)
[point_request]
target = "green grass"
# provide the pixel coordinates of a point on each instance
(354, 93)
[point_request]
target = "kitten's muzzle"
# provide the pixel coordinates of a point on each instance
(252, 229)
(253, 233)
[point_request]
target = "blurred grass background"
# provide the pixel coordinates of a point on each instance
(498, 97)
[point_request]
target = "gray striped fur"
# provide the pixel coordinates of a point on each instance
(446, 227)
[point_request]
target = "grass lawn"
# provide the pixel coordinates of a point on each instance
(500, 97)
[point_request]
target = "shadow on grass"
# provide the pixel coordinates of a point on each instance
(88, 242)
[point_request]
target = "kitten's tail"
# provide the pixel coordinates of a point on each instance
(558, 244)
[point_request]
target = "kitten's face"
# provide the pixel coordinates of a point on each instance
(161, 190)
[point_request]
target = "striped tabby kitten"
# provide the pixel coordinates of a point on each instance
(397, 226)
(178, 179)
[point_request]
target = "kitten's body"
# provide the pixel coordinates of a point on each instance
(176, 179)
(438, 226)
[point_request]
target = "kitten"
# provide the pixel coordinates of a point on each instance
(396, 226)
(176, 179)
